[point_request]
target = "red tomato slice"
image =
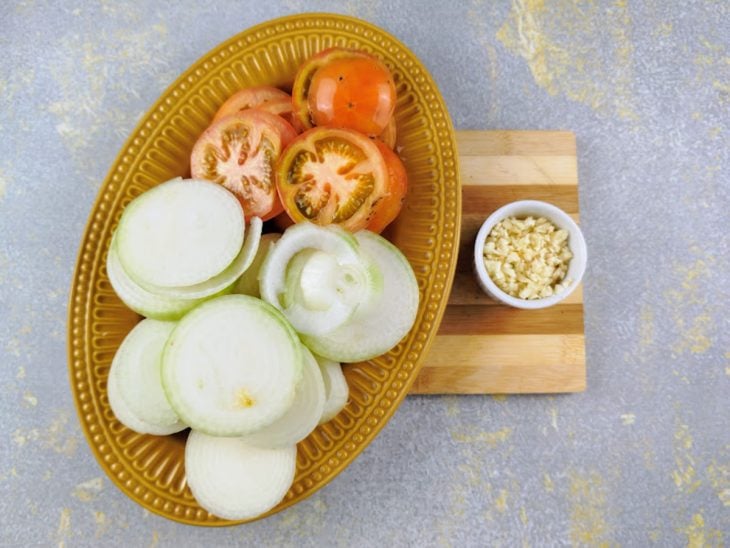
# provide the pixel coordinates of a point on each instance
(356, 93)
(283, 221)
(286, 130)
(281, 107)
(239, 152)
(331, 176)
(303, 79)
(388, 207)
(258, 96)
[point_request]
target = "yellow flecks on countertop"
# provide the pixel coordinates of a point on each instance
(21, 373)
(478, 17)
(627, 419)
(523, 515)
(557, 39)
(21, 438)
(474, 487)
(88, 490)
(490, 438)
(64, 526)
(554, 417)
(303, 522)
(719, 475)
(649, 457)
(455, 514)
(452, 406)
(501, 398)
(499, 508)
(500, 503)
(646, 327)
(29, 400)
(102, 524)
(55, 437)
(547, 482)
(587, 496)
(32, 507)
(17, 345)
(155, 539)
(700, 537)
(84, 110)
(13, 347)
(695, 339)
(3, 185)
(714, 132)
(655, 535)
(13, 473)
(713, 67)
(724, 90)
(663, 30)
(684, 474)
(690, 309)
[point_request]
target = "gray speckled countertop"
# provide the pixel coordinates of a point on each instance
(642, 457)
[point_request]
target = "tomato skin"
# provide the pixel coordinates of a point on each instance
(286, 130)
(283, 221)
(355, 93)
(239, 152)
(303, 80)
(331, 176)
(389, 134)
(257, 96)
(388, 207)
(284, 109)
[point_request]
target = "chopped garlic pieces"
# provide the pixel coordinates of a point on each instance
(528, 258)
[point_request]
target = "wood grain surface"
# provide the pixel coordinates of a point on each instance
(484, 347)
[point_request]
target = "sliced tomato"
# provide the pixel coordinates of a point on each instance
(356, 93)
(389, 134)
(303, 79)
(286, 130)
(331, 176)
(388, 207)
(283, 221)
(239, 152)
(281, 107)
(259, 96)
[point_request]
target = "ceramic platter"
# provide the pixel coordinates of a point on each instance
(150, 469)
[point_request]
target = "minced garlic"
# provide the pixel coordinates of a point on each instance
(527, 258)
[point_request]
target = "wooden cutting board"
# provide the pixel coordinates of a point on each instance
(483, 347)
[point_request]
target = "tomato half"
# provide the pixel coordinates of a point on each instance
(239, 152)
(259, 96)
(356, 93)
(388, 207)
(303, 79)
(331, 176)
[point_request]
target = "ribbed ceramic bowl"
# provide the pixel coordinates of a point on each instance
(151, 469)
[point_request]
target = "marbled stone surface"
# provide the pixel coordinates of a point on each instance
(642, 457)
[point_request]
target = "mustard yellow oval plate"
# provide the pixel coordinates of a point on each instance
(150, 469)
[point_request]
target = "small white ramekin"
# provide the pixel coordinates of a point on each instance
(533, 208)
